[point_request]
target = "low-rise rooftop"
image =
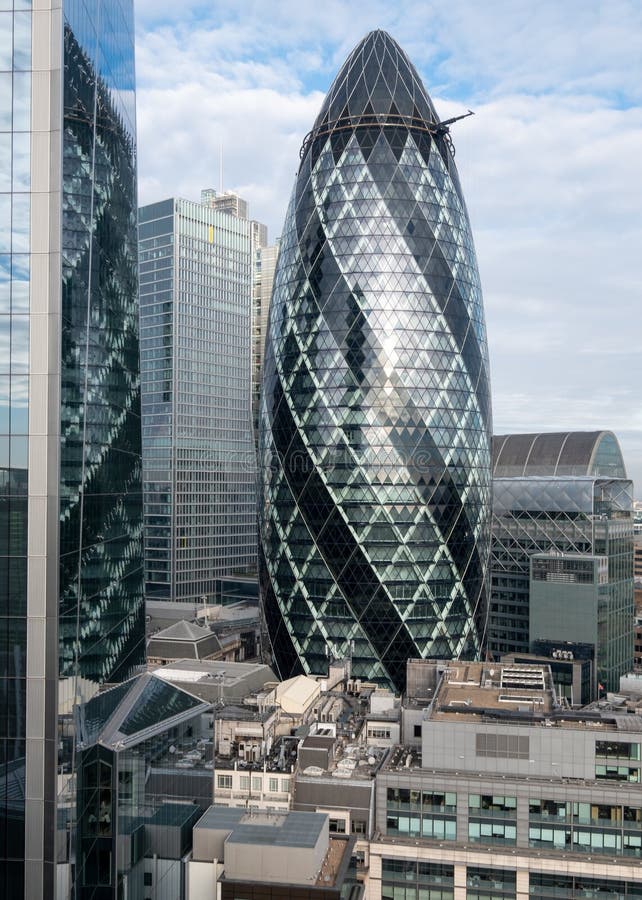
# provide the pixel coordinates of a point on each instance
(163, 614)
(253, 831)
(515, 694)
(216, 680)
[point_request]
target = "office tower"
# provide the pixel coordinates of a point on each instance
(374, 445)
(263, 262)
(265, 258)
(512, 796)
(562, 548)
(71, 516)
(198, 447)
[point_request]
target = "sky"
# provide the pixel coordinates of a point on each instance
(550, 164)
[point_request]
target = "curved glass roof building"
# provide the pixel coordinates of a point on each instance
(375, 418)
(557, 453)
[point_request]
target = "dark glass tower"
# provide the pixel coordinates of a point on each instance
(71, 599)
(375, 420)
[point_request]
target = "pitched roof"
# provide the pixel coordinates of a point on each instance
(143, 704)
(183, 640)
(182, 631)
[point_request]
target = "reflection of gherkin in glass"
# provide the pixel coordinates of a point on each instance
(375, 419)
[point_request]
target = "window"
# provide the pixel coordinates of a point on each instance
(403, 798)
(542, 836)
(486, 812)
(358, 826)
(147, 879)
(224, 781)
(381, 733)
(597, 814)
(492, 833)
(285, 785)
(407, 878)
(273, 785)
(257, 783)
(417, 731)
(490, 884)
(632, 844)
(438, 829)
(548, 809)
(617, 773)
(244, 782)
(337, 826)
(596, 841)
(491, 805)
(616, 750)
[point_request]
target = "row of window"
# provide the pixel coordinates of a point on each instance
(274, 784)
(579, 840)
(586, 813)
(404, 879)
(338, 826)
(417, 880)
(425, 826)
(404, 798)
(492, 820)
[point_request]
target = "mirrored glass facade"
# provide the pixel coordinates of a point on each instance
(101, 491)
(374, 443)
(15, 178)
(71, 606)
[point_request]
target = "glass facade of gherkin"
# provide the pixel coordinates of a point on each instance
(375, 422)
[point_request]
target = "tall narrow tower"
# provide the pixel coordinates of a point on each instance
(375, 416)
(196, 263)
(71, 596)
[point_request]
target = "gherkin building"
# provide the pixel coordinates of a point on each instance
(375, 413)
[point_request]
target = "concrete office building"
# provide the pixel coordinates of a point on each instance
(562, 548)
(71, 591)
(510, 795)
(196, 264)
(374, 446)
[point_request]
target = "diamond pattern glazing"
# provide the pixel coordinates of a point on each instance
(101, 624)
(375, 418)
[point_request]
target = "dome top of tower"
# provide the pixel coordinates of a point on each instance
(377, 78)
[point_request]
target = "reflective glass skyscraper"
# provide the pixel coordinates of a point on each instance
(71, 602)
(375, 414)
